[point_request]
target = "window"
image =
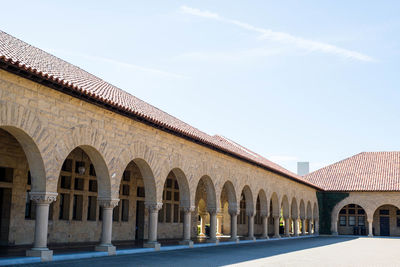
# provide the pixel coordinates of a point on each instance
(398, 221)
(125, 190)
(351, 211)
(360, 211)
(170, 212)
(64, 207)
(342, 220)
(30, 208)
(343, 211)
(92, 186)
(361, 221)
(67, 165)
(79, 164)
(78, 184)
(77, 208)
(140, 192)
(352, 220)
(6, 174)
(92, 206)
(65, 182)
(242, 214)
(397, 212)
(125, 210)
(29, 178)
(92, 171)
(383, 212)
(126, 176)
(116, 213)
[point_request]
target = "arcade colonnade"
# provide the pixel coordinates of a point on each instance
(39, 138)
(376, 212)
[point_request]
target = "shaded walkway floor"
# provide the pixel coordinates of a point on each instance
(326, 251)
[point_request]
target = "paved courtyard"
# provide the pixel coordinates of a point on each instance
(320, 251)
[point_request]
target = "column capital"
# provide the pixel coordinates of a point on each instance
(43, 197)
(370, 220)
(233, 212)
(250, 213)
(188, 209)
(108, 203)
(213, 210)
(153, 206)
(264, 213)
(276, 217)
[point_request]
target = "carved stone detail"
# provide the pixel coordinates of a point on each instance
(107, 203)
(153, 207)
(188, 209)
(212, 210)
(43, 197)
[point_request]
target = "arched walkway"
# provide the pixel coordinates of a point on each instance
(206, 191)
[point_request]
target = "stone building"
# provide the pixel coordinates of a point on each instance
(84, 162)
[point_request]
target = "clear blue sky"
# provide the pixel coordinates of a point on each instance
(294, 81)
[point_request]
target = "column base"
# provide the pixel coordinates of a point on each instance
(44, 253)
(186, 243)
(276, 236)
(154, 245)
(296, 235)
(370, 235)
(110, 249)
(216, 241)
(234, 239)
(251, 238)
(265, 237)
(335, 233)
(286, 235)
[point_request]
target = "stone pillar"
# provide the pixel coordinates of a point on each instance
(296, 226)
(303, 226)
(370, 232)
(276, 227)
(234, 214)
(153, 209)
(213, 226)
(250, 233)
(264, 226)
(309, 226)
(334, 230)
(42, 201)
(187, 217)
(106, 232)
(202, 225)
(316, 227)
(287, 227)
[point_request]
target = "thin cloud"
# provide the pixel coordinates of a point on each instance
(282, 37)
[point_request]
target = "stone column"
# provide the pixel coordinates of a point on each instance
(276, 227)
(310, 226)
(296, 226)
(287, 227)
(213, 226)
(202, 225)
(264, 226)
(316, 227)
(370, 232)
(153, 209)
(334, 230)
(42, 201)
(187, 217)
(250, 234)
(234, 214)
(106, 232)
(303, 226)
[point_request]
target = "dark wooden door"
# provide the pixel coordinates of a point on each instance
(384, 225)
(5, 207)
(139, 220)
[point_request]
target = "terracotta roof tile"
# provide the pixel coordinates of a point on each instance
(367, 171)
(40, 63)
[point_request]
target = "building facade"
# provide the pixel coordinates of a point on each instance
(76, 167)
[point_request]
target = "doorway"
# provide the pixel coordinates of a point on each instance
(139, 233)
(5, 207)
(384, 225)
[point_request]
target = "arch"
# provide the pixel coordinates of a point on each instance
(315, 212)
(184, 191)
(249, 199)
(148, 180)
(285, 207)
(102, 173)
(263, 202)
(385, 218)
(275, 204)
(294, 209)
(231, 194)
(210, 191)
(33, 156)
(30, 132)
(302, 210)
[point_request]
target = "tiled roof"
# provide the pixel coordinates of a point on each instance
(367, 171)
(39, 63)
